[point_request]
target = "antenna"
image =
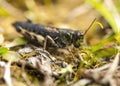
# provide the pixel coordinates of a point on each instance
(89, 27)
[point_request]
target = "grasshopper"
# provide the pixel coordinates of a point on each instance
(50, 36)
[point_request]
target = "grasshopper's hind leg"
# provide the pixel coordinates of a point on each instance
(49, 42)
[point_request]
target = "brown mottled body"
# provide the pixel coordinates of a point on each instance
(37, 34)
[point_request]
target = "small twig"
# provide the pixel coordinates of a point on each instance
(25, 76)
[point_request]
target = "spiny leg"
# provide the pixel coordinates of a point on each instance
(48, 39)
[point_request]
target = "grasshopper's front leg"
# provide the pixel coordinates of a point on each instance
(48, 40)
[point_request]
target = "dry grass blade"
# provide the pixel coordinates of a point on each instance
(109, 75)
(11, 9)
(7, 74)
(79, 11)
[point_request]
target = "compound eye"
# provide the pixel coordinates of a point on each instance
(79, 35)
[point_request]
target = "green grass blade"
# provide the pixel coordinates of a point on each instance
(104, 11)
